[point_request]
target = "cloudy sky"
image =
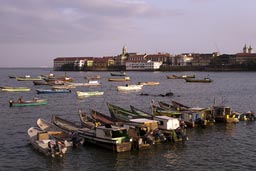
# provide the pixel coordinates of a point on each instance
(34, 32)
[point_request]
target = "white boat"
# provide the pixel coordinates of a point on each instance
(69, 139)
(128, 87)
(42, 142)
(89, 83)
(89, 93)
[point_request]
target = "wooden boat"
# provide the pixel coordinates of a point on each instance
(47, 91)
(143, 132)
(119, 79)
(90, 77)
(40, 82)
(247, 116)
(121, 114)
(180, 77)
(205, 80)
(141, 113)
(42, 142)
(224, 114)
(179, 106)
(59, 134)
(11, 76)
(66, 125)
(194, 119)
(109, 137)
(90, 83)
(89, 93)
(118, 74)
(52, 78)
(28, 78)
(128, 87)
(103, 119)
(15, 89)
(150, 83)
(86, 121)
(171, 128)
(34, 102)
(158, 111)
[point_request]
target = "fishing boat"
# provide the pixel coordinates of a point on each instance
(66, 124)
(121, 114)
(128, 87)
(119, 79)
(59, 134)
(40, 82)
(171, 128)
(91, 77)
(34, 102)
(118, 74)
(81, 94)
(224, 114)
(42, 142)
(49, 91)
(140, 112)
(180, 77)
(205, 80)
(159, 111)
(143, 132)
(15, 89)
(103, 119)
(29, 78)
(89, 83)
(192, 116)
(109, 137)
(150, 83)
(87, 122)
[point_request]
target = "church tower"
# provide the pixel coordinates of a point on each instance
(245, 49)
(124, 50)
(250, 50)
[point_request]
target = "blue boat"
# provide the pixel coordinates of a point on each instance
(47, 91)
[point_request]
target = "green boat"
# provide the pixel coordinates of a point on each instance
(15, 89)
(35, 102)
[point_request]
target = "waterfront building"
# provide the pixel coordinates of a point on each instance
(141, 62)
(247, 56)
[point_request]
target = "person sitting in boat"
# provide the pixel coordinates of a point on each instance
(20, 99)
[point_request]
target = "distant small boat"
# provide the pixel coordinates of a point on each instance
(89, 93)
(28, 78)
(36, 102)
(205, 80)
(15, 89)
(119, 79)
(118, 74)
(89, 83)
(96, 77)
(129, 87)
(53, 91)
(149, 83)
(180, 77)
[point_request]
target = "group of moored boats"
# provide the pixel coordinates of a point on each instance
(190, 78)
(112, 132)
(128, 129)
(124, 129)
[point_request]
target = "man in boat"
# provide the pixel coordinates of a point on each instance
(20, 100)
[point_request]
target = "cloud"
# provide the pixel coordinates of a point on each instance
(54, 21)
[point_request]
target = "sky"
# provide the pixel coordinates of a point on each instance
(34, 32)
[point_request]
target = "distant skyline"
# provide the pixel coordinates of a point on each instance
(34, 32)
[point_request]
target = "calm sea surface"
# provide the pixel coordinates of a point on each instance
(219, 147)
